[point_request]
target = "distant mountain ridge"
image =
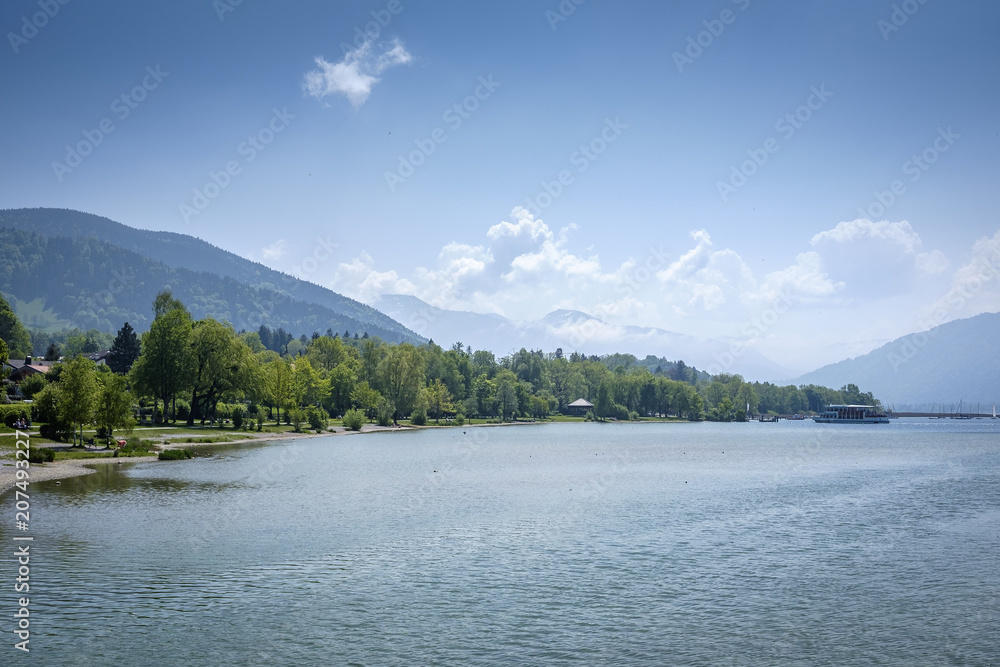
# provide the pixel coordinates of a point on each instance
(187, 252)
(87, 271)
(955, 362)
(571, 330)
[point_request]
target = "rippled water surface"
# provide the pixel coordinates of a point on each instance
(647, 544)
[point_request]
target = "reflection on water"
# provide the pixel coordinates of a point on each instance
(639, 544)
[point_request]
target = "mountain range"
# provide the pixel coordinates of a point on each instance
(573, 330)
(66, 268)
(61, 269)
(937, 369)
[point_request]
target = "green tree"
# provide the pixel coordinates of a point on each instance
(311, 386)
(223, 365)
(52, 352)
(124, 351)
(114, 404)
(13, 333)
(366, 398)
(506, 396)
(280, 385)
(438, 399)
(78, 394)
(401, 375)
(166, 364)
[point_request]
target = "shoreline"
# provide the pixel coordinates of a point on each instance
(43, 472)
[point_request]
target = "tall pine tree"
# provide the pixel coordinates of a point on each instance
(124, 351)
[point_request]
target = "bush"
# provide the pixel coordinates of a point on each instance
(354, 419)
(296, 416)
(174, 455)
(135, 447)
(460, 419)
(384, 412)
(33, 384)
(11, 413)
(56, 431)
(41, 455)
(181, 409)
(239, 414)
(317, 418)
(418, 418)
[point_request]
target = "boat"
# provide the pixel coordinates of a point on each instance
(851, 414)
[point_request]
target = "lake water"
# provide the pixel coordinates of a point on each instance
(562, 544)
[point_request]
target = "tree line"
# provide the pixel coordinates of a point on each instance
(189, 370)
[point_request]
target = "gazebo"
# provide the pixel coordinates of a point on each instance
(579, 407)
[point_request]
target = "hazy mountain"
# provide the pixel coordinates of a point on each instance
(572, 330)
(957, 361)
(57, 282)
(187, 252)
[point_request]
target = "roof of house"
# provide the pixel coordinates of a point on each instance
(581, 403)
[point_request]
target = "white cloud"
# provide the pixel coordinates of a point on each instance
(864, 231)
(975, 286)
(874, 259)
(276, 250)
(355, 75)
(705, 278)
(359, 280)
(804, 280)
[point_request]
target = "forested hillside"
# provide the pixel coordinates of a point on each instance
(187, 252)
(92, 284)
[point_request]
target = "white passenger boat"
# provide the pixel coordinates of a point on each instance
(851, 414)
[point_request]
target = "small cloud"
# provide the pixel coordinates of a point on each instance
(276, 250)
(355, 75)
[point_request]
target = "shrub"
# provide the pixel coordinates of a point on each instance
(135, 447)
(384, 412)
(56, 431)
(41, 455)
(460, 419)
(317, 418)
(354, 419)
(296, 417)
(181, 409)
(173, 455)
(11, 413)
(239, 414)
(418, 418)
(33, 384)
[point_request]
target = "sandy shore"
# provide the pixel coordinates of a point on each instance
(40, 472)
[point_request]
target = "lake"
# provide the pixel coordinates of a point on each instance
(558, 544)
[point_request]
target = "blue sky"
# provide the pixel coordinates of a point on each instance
(716, 158)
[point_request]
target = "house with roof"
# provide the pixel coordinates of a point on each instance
(579, 407)
(18, 369)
